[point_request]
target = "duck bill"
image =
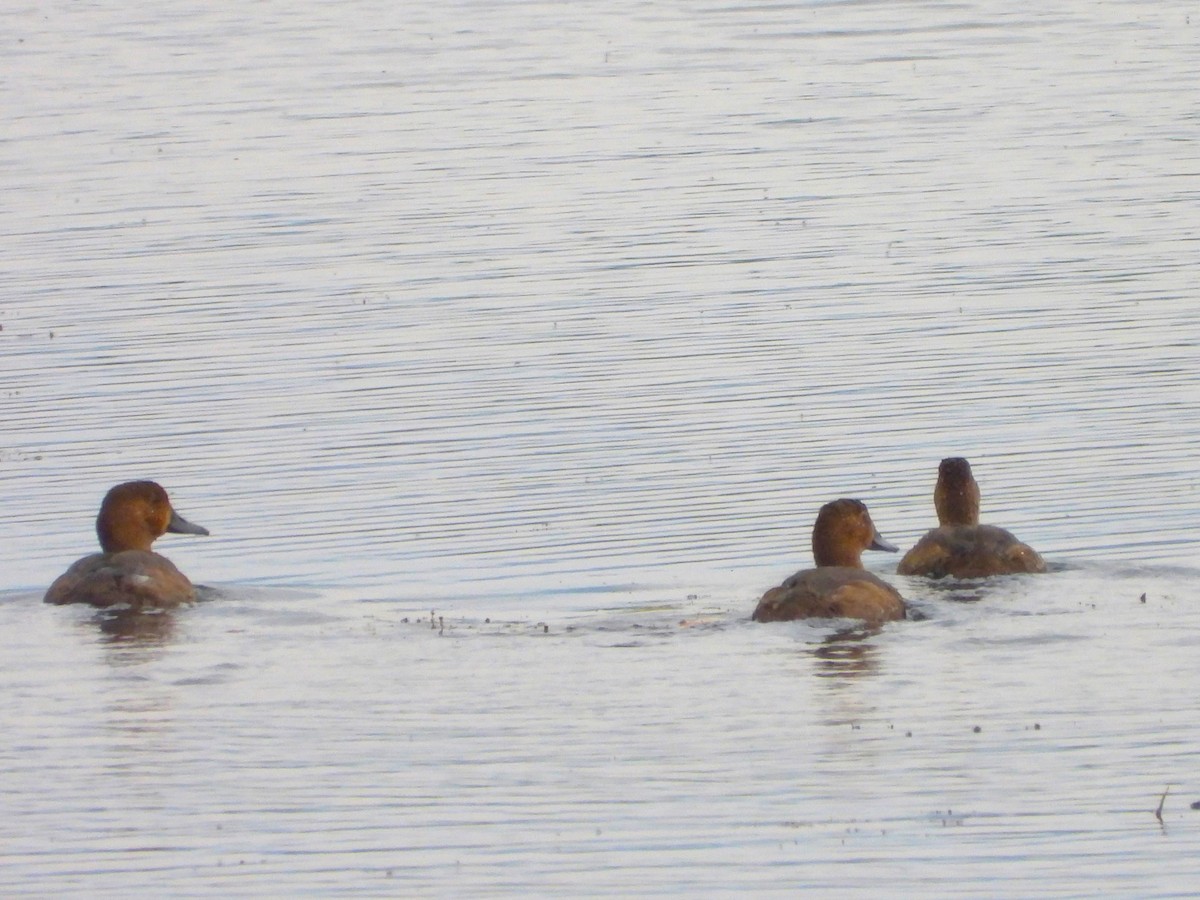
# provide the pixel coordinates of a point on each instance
(878, 543)
(180, 525)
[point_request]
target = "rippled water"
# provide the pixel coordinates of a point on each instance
(561, 321)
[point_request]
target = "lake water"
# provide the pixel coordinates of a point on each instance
(508, 351)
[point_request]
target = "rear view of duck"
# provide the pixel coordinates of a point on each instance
(127, 572)
(960, 547)
(839, 587)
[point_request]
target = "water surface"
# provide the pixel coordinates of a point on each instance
(561, 322)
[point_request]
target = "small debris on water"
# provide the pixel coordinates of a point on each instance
(977, 729)
(1161, 801)
(1143, 598)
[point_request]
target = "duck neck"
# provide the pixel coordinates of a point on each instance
(957, 504)
(117, 536)
(829, 551)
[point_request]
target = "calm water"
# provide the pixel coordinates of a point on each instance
(561, 320)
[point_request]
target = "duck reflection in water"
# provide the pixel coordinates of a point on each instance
(846, 654)
(960, 547)
(136, 626)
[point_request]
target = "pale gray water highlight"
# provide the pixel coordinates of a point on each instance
(533, 312)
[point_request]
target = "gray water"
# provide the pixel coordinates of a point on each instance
(508, 350)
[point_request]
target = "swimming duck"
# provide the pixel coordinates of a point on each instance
(127, 571)
(839, 587)
(960, 547)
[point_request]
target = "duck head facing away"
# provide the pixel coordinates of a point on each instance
(956, 497)
(136, 513)
(843, 531)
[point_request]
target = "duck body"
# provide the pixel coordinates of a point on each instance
(137, 578)
(970, 551)
(831, 592)
(839, 587)
(960, 547)
(127, 572)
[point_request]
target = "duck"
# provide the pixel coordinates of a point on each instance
(839, 586)
(960, 547)
(127, 572)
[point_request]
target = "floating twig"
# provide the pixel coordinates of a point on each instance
(1161, 801)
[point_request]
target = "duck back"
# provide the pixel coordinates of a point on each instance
(832, 592)
(134, 578)
(970, 551)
